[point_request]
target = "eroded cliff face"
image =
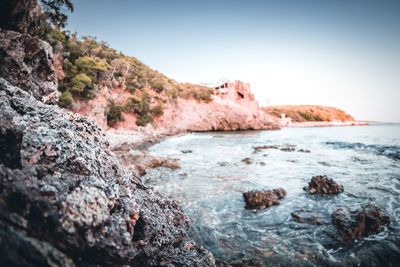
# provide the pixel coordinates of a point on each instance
(233, 108)
(66, 201)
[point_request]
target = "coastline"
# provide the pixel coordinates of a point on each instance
(123, 139)
(326, 124)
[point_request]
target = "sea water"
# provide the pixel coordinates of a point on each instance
(212, 178)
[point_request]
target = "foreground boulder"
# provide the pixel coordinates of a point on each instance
(261, 199)
(323, 185)
(66, 201)
(27, 62)
(357, 223)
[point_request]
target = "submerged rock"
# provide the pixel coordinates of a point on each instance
(27, 62)
(261, 199)
(323, 185)
(288, 149)
(247, 160)
(352, 224)
(305, 216)
(261, 148)
(223, 163)
(66, 201)
(244, 262)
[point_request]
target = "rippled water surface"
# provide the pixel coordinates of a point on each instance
(209, 186)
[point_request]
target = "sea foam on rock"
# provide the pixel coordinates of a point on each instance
(65, 199)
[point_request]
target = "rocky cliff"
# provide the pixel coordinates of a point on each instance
(27, 62)
(235, 109)
(66, 201)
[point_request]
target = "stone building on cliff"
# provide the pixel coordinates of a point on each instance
(235, 91)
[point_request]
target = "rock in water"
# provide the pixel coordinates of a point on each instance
(353, 224)
(247, 160)
(27, 62)
(261, 199)
(306, 216)
(66, 201)
(323, 185)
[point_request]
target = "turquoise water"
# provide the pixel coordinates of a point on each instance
(210, 183)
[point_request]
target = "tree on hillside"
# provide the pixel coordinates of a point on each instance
(54, 11)
(33, 16)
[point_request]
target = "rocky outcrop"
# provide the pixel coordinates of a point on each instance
(323, 185)
(66, 201)
(220, 114)
(352, 224)
(261, 199)
(27, 62)
(20, 15)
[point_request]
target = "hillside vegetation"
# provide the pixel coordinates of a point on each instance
(303, 113)
(89, 64)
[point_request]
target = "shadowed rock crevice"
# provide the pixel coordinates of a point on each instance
(138, 231)
(10, 145)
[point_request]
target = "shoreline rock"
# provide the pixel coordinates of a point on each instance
(322, 185)
(352, 224)
(65, 195)
(261, 199)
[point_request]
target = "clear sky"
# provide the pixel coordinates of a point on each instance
(342, 53)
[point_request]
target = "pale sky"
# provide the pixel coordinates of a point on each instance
(343, 53)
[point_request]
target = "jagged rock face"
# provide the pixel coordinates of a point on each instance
(353, 224)
(261, 199)
(66, 201)
(323, 185)
(27, 62)
(19, 15)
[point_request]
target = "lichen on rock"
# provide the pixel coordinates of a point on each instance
(27, 62)
(62, 189)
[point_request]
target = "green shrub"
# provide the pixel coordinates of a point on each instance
(114, 113)
(70, 69)
(89, 64)
(198, 92)
(157, 110)
(65, 100)
(80, 82)
(142, 120)
(141, 107)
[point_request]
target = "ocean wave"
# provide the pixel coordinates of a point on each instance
(390, 151)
